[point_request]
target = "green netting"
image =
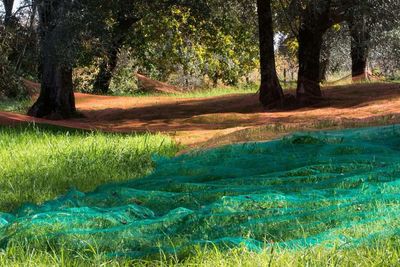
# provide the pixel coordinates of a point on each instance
(328, 188)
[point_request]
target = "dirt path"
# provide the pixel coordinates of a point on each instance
(232, 118)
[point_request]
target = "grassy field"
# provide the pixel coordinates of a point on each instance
(38, 164)
(384, 253)
(198, 93)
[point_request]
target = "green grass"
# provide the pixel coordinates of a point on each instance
(38, 164)
(221, 91)
(383, 253)
(218, 91)
(200, 93)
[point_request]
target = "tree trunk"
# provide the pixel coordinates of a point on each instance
(308, 85)
(315, 21)
(8, 6)
(119, 34)
(56, 99)
(323, 72)
(270, 89)
(360, 39)
(107, 67)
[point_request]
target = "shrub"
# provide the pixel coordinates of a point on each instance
(10, 84)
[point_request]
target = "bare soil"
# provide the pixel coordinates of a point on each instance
(204, 122)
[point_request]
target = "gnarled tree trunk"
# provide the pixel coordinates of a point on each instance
(107, 67)
(315, 21)
(360, 39)
(56, 99)
(270, 89)
(308, 85)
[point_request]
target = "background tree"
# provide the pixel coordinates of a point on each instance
(8, 7)
(122, 18)
(360, 44)
(270, 89)
(316, 18)
(189, 45)
(368, 21)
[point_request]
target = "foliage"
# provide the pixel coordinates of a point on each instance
(336, 49)
(179, 46)
(15, 105)
(10, 83)
(385, 55)
(124, 80)
(84, 77)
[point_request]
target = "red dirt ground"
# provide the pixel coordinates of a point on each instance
(230, 118)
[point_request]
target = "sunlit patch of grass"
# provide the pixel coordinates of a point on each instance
(218, 91)
(199, 92)
(38, 164)
(381, 253)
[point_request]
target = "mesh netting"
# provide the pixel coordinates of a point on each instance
(324, 188)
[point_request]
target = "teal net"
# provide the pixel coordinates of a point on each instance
(321, 188)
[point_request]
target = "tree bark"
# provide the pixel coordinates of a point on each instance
(315, 21)
(107, 67)
(56, 99)
(270, 89)
(118, 36)
(308, 85)
(360, 39)
(8, 6)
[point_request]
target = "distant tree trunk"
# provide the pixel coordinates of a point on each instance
(270, 89)
(308, 85)
(315, 22)
(56, 99)
(107, 67)
(360, 39)
(8, 6)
